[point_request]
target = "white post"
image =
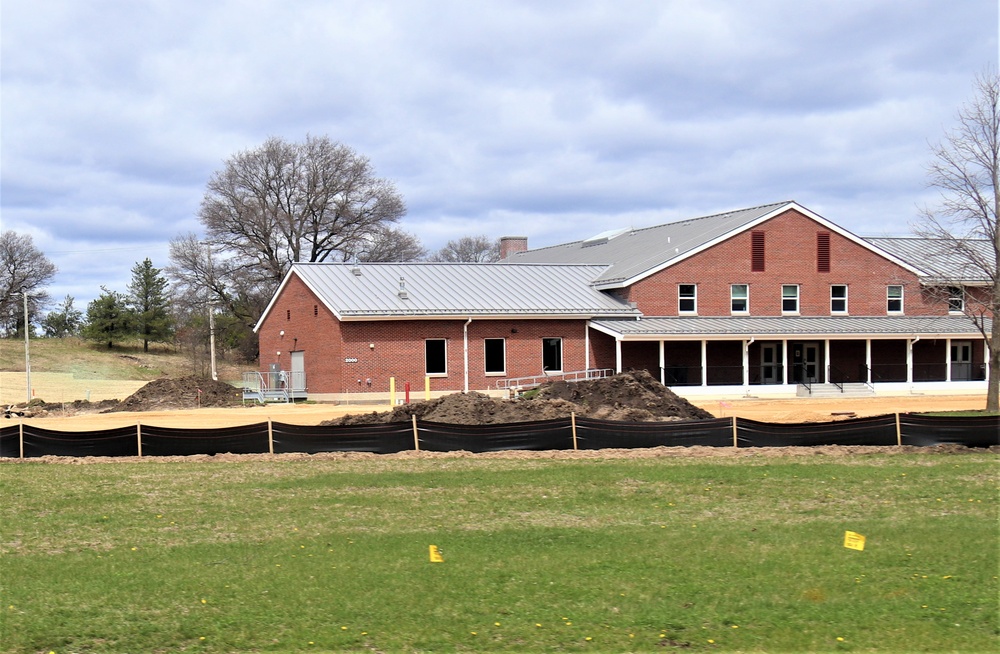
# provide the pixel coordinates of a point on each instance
(704, 362)
(27, 356)
(826, 359)
(618, 355)
(784, 361)
(663, 363)
(947, 359)
(868, 360)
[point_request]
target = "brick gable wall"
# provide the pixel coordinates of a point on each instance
(790, 247)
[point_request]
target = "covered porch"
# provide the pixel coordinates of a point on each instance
(784, 356)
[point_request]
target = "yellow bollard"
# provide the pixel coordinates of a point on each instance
(392, 391)
(427, 389)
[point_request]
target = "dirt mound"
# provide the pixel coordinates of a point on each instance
(183, 393)
(632, 397)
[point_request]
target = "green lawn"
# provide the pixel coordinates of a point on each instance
(644, 555)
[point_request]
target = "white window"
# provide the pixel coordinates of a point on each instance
(894, 299)
(552, 354)
(436, 357)
(687, 298)
(838, 298)
(789, 298)
(494, 356)
(956, 299)
(739, 298)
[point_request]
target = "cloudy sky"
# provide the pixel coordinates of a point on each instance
(554, 120)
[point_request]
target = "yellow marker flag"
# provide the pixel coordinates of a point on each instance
(436, 555)
(854, 541)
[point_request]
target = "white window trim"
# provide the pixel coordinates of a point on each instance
(562, 353)
(961, 300)
(436, 374)
(502, 373)
(694, 298)
(798, 300)
(745, 299)
(846, 298)
(902, 295)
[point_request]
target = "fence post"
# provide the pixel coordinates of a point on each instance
(735, 442)
(270, 437)
(20, 432)
(416, 438)
(138, 438)
(899, 433)
(572, 421)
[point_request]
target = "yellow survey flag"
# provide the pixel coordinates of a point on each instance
(436, 555)
(854, 541)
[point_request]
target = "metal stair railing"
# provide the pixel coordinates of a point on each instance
(537, 380)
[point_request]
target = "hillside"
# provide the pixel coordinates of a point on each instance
(70, 369)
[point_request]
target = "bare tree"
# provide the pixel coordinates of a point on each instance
(390, 244)
(469, 249)
(286, 202)
(966, 221)
(23, 268)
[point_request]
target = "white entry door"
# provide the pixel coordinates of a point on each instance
(298, 376)
(961, 360)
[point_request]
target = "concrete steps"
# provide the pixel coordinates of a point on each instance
(851, 389)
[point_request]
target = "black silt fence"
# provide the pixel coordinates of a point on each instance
(163, 441)
(565, 434)
(860, 431)
(972, 431)
(380, 439)
(538, 435)
(594, 434)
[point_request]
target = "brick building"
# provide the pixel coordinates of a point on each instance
(773, 299)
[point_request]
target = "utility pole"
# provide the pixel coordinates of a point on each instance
(27, 355)
(211, 315)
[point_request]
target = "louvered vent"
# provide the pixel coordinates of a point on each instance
(757, 251)
(823, 252)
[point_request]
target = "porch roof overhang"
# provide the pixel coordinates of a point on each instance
(788, 327)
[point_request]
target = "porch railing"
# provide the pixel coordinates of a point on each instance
(520, 383)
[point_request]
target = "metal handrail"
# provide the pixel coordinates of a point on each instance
(537, 380)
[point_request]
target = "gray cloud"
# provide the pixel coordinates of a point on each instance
(552, 120)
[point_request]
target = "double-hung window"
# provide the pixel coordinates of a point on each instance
(894, 298)
(687, 298)
(739, 298)
(789, 298)
(838, 299)
(956, 299)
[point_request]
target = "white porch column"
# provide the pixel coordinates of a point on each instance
(586, 346)
(618, 355)
(826, 360)
(909, 359)
(986, 357)
(746, 363)
(663, 363)
(947, 359)
(704, 362)
(784, 361)
(868, 360)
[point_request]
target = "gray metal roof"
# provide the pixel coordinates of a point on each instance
(942, 259)
(635, 252)
(731, 327)
(458, 289)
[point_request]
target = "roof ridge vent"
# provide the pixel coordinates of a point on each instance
(605, 236)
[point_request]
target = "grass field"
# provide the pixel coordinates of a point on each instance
(643, 555)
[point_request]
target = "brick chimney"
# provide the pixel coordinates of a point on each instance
(512, 244)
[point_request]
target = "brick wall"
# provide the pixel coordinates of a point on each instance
(338, 354)
(790, 258)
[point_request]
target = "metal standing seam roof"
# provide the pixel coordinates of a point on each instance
(635, 252)
(457, 289)
(938, 258)
(746, 326)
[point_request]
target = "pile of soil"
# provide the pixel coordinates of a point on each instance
(183, 393)
(634, 396)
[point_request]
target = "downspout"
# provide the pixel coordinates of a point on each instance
(465, 346)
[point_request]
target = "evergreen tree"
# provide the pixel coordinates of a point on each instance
(107, 318)
(149, 304)
(64, 321)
